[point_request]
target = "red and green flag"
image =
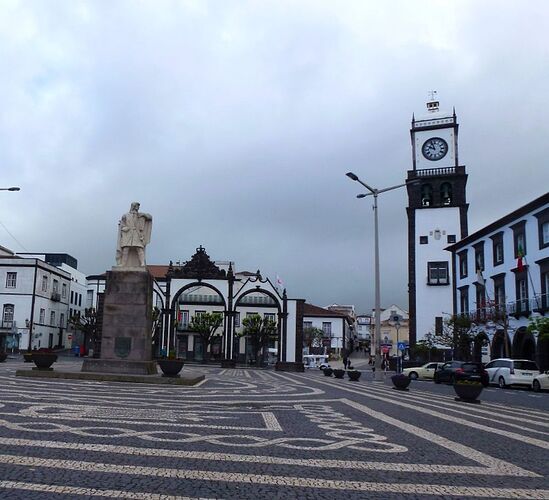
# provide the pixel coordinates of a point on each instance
(520, 255)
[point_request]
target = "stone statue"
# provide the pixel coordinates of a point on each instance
(134, 234)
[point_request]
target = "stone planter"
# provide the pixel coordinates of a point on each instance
(468, 392)
(328, 372)
(401, 382)
(44, 360)
(170, 367)
(228, 363)
(354, 375)
(27, 357)
(338, 373)
(3, 356)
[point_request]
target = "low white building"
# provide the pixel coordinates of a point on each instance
(501, 279)
(333, 324)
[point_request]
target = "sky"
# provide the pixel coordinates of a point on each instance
(233, 123)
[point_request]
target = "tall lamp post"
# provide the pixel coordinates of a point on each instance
(377, 337)
(11, 189)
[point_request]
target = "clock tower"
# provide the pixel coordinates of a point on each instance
(437, 217)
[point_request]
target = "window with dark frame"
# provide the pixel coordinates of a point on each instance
(464, 299)
(497, 248)
(463, 264)
(479, 256)
(519, 239)
(544, 279)
(521, 291)
(543, 228)
(499, 290)
(423, 240)
(437, 273)
(451, 238)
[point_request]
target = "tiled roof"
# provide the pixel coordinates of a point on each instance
(310, 310)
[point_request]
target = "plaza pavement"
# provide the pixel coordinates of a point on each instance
(253, 434)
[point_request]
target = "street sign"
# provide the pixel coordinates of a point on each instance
(385, 349)
(402, 346)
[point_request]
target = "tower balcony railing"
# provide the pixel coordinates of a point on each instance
(436, 172)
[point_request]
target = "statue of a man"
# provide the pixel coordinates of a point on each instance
(134, 233)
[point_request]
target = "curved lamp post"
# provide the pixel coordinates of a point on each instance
(15, 188)
(377, 336)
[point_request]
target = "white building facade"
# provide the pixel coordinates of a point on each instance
(34, 297)
(437, 216)
(512, 255)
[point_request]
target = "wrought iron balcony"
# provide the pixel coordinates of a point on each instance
(7, 325)
(55, 296)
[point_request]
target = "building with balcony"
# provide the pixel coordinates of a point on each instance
(501, 280)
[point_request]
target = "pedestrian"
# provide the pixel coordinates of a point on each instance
(344, 362)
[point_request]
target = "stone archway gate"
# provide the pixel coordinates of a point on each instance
(201, 271)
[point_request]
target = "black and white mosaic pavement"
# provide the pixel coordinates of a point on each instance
(260, 434)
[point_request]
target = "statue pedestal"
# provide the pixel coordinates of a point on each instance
(127, 324)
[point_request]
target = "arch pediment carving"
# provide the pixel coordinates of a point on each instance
(199, 267)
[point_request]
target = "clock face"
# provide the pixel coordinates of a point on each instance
(434, 149)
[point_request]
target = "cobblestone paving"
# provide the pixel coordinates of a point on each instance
(252, 434)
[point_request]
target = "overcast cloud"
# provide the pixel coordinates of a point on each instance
(233, 123)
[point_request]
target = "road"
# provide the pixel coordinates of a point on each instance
(252, 434)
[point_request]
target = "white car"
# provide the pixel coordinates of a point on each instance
(316, 361)
(506, 372)
(426, 371)
(541, 382)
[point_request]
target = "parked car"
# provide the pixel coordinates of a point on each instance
(461, 370)
(541, 382)
(506, 372)
(426, 371)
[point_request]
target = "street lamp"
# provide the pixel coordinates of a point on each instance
(15, 188)
(377, 336)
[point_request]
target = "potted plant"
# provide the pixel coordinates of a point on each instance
(328, 372)
(339, 373)
(170, 366)
(28, 357)
(468, 391)
(354, 375)
(43, 359)
(3, 356)
(401, 381)
(228, 363)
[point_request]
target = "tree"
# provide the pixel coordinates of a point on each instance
(457, 333)
(541, 326)
(312, 337)
(205, 325)
(425, 349)
(259, 330)
(87, 324)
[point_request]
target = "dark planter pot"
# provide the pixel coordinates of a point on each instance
(170, 367)
(28, 357)
(468, 393)
(401, 382)
(44, 360)
(228, 363)
(354, 375)
(328, 372)
(3, 356)
(338, 373)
